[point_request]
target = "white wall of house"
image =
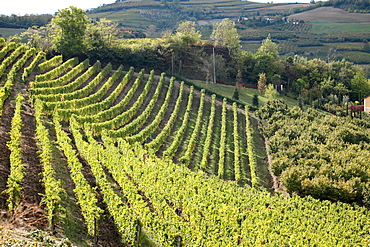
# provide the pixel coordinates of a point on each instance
(367, 104)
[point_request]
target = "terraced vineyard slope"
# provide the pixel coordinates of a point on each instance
(135, 159)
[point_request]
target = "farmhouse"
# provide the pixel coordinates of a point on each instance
(367, 104)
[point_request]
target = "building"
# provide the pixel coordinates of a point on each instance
(367, 104)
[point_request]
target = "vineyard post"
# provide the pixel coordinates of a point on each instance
(172, 62)
(178, 241)
(95, 234)
(138, 233)
(214, 66)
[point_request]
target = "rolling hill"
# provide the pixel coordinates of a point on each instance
(125, 158)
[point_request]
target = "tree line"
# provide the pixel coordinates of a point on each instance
(220, 60)
(24, 21)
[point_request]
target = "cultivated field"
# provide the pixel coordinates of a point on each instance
(330, 14)
(123, 158)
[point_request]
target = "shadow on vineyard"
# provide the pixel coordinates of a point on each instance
(100, 157)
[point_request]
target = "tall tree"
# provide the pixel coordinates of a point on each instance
(262, 82)
(187, 33)
(70, 25)
(269, 47)
(225, 34)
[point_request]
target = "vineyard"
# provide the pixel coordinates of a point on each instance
(136, 159)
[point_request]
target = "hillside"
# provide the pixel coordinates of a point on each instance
(314, 31)
(128, 158)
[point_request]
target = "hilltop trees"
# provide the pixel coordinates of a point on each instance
(186, 34)
(268, 47)
(225, 34)
(70, 26)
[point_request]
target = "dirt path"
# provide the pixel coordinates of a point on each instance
(7, 115)
(275, 181)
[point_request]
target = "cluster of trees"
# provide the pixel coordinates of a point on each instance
(25, 21)
(360, 6)
(318, 154)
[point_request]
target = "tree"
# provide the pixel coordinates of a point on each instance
(187, 33)
(270, 92)
(255, 101)
(225, 34)
(262, 82)
(99, 36)
(269, 47)
(70, 25)
(360, 85)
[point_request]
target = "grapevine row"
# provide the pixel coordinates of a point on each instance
(54, 61)
(53, 189)
(140, 120)
(10, 59)
(251, 148)
(161, 220)
(171, 150)
(153, 125)
(75, 105)
(57, 85)
(6, 89)
(17, 174)
(84, 193)
(103, 115)
(121, 119)
(222, 150)
(194, 136)
(237, 168)
(123, 216)
(56, 72)
(28, 70)
(81, 93)
(8, 47)
(207, 144)
(156, 143)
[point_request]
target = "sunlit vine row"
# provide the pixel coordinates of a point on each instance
(179, 136)
(156, 143)
(85, 194)
(153, 125)
(13, 187)
(194, 136)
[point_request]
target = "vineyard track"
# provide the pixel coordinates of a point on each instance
(32, 187)
(108, 233)
(8, 112)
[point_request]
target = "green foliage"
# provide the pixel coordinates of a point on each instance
(52, 198)
(236, 93)
(195, 134)
(179, 135)
(255, 101)
(271, 92)
(14, 187)
(360, 85)
(186, 34)
(269, 47)
(225, 34)
(319, 155)
(70, 27)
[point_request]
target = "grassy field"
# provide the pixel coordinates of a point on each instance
(353, 46)
(129, 18)
(355, 56)
(4, 32)
(332, 27)
(246, 95)
(330, 14)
